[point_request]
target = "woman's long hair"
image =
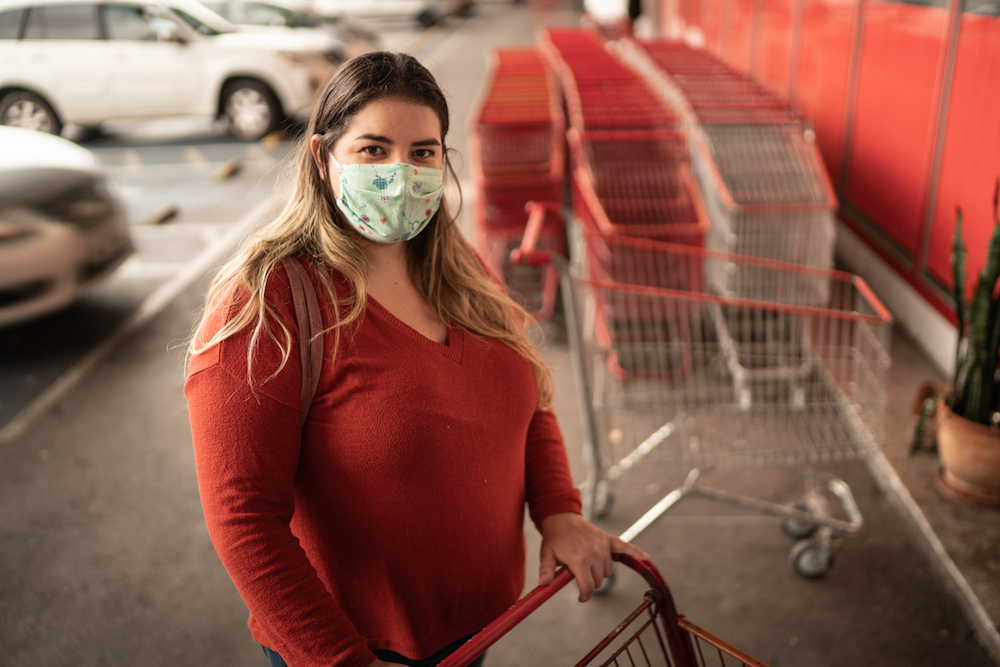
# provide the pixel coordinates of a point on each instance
(443, 267)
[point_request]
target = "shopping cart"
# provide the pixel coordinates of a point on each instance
(676, 375)
(653, 634)
(755, 159)
(517, 154)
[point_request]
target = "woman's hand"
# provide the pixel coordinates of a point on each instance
(584, 548)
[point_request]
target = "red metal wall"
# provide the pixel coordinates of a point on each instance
(772, 60)
(737, 21)
(822, 76)
(905, 100)
(970, 162)
(890, 149)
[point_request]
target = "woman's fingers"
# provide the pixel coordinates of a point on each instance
(584, 548)
(620, 547)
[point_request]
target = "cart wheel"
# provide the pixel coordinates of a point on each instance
(798, 528)
(810, 559)
(606, 585)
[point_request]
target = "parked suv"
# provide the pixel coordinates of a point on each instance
(87, 61)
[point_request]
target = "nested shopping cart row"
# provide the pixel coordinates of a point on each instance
(631, 166)
(601, 91)
(713, 91)
(517, 153)
(763, 181)
(692, 358)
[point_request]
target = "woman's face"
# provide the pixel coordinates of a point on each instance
(388, 130)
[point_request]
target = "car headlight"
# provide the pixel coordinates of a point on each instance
(297, 57)
(85, 206)
(15, 228)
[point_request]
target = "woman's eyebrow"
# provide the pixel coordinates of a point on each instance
(427, 142)
(374, 137)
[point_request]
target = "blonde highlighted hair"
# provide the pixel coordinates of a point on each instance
(443, 267)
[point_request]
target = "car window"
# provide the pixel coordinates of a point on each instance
(200, 18)
(63, 22)
(10, 23)
(283, 16)
(254, 14)
(129, 22)
(198, 26)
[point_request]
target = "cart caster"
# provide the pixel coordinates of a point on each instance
(606, 585)
(797, 528)
(810, 559)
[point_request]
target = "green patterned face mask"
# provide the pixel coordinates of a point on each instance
(389, 202)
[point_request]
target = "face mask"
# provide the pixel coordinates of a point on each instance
(389, 202)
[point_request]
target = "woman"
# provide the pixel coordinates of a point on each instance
(386, 528)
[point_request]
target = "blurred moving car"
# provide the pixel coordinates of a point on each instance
(296, 17)
(62, 225)
(89, 61)
(424, 12)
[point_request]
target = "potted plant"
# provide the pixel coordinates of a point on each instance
(968, 415)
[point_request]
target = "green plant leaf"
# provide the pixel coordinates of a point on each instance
(958, 259)
(981, 346)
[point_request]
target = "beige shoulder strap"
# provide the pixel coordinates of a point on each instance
(309, 319)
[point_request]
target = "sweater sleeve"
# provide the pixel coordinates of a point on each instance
(548, 483)
(247, 442)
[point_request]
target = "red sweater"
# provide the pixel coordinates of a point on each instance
(393, 518)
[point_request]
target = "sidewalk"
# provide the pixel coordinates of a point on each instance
(963, 540)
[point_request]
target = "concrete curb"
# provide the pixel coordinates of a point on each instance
(894, 488)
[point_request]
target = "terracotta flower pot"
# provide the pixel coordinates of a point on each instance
(970, 459)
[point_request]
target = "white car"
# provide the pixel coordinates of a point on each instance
(296, 18)
(89, 61)
(424, 12)
(62, 225)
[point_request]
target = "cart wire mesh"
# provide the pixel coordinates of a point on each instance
(653, 635)
(794, 376)
(763, 180)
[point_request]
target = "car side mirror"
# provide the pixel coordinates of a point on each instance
(167, 31)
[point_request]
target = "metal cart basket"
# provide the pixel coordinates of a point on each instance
(653, 634)
(678, 376)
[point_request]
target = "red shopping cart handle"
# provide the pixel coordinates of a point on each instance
(527, 254)
(489, 635)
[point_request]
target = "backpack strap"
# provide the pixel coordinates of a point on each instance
(309, 319)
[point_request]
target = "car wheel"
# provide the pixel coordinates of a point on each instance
(27, 110)
(251, 109)
(429, 17)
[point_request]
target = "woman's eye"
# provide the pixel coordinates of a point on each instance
(372, 150)
(424, 153)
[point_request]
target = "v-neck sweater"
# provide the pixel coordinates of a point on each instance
(393, 519)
